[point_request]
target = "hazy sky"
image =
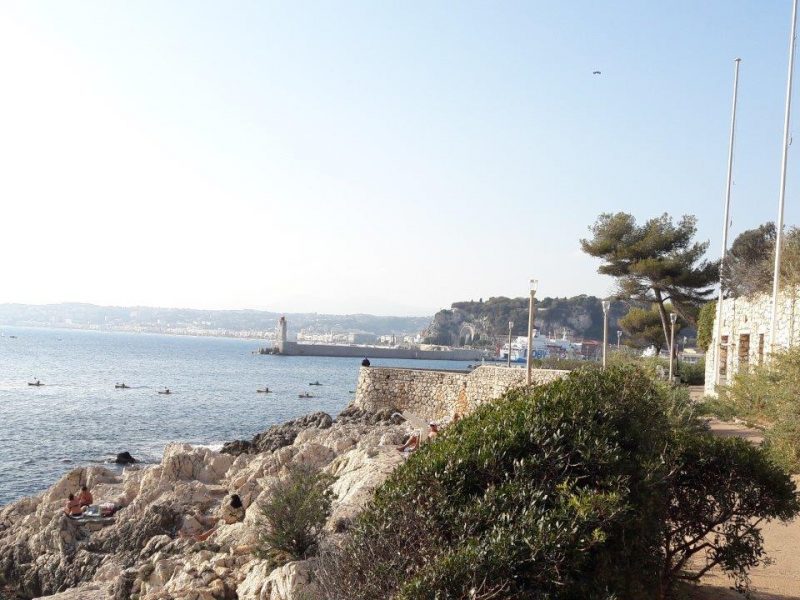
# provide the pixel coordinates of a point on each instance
(376, 156)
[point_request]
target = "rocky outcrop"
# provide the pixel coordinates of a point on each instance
(168, 540)
(278, 436)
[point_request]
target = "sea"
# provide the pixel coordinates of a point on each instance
(77, 417)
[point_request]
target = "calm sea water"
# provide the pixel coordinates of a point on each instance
(78, 417)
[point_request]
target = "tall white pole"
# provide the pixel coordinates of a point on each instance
(605, 336)
(671, 345)
(529, 364)
(726, 223)
(779, 225)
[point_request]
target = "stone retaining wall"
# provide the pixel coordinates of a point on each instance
(437, 395)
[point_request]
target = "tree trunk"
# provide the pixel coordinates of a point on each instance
(663, 314)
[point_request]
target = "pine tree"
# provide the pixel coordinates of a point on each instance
(658, 262)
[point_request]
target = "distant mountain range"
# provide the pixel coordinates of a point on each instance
(250, 323)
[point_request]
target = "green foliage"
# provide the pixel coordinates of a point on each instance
(294, 514)
(643, 328)
(720, 490)
(705, 324)
(657, 262)
(747, 268)
(583, 488)
(749, 264)
(769, 394)
(714, 407)
(692, 374)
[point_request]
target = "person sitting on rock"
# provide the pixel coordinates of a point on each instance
(433, 431)
(411, 443)
(73, 507)
(233, 511)
(85, 497)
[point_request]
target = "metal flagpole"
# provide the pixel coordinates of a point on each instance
(781, 201)
(725, 224)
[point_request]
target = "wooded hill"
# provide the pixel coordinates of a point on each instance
(581, 317)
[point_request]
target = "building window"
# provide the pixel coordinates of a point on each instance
(760, 348)
(723, 356)
(744, 351)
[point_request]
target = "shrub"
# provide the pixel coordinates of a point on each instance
(721, 489)
(768, 394)
(692, 374)
(294, 514)
(542, 492)
(576, 489)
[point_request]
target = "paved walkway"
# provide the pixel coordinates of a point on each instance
(778, 581)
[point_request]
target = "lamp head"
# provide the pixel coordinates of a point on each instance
(673, 317)
(606, 305)
(511, 324)
(534, 285)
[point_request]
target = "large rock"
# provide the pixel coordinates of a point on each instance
(124, 458)
(278, 436)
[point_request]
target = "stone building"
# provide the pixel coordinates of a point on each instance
(745, 332)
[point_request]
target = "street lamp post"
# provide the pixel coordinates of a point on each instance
(510, 327)
(619, 337)
(531, 309)
(606, 306)
(672, 318)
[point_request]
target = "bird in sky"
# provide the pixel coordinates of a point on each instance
(595, 72)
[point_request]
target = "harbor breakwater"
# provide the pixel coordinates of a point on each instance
(439, 395)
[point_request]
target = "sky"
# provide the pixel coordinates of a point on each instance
(381, 157)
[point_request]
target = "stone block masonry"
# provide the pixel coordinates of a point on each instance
(438, 395)
(745, 332)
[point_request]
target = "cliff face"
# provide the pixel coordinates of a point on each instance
(580, 316)
(151, 550)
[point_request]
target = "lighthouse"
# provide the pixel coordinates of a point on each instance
(280, 337)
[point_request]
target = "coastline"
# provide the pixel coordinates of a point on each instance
(150, 548)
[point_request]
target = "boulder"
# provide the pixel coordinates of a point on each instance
(125, 458)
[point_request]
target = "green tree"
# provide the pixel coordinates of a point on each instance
(749, 264)
(705, 324)
(658, 262)
(747, 270)
(642, 328)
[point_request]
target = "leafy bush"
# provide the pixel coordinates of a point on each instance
(583, 488)
(294, 514)
(768, 394)
(721, 489)
(692, 374)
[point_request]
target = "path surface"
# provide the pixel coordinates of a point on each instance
(778, 581)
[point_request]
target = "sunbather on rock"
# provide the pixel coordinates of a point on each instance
(411, 443)
(73, 507)
(232, 511)
(85, 497)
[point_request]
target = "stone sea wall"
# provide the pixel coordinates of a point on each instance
(745, 332)
(437, 395)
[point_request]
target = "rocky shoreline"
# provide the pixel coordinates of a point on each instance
(154, 548)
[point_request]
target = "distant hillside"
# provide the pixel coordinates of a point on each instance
(580, 316)
(185, 320)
